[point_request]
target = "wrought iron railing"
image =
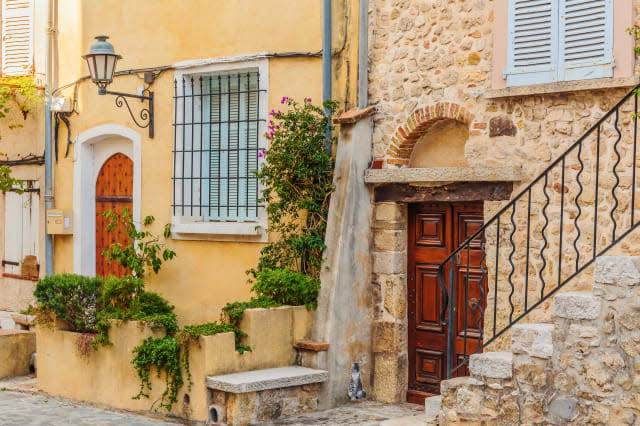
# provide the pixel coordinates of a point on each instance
(575, 210)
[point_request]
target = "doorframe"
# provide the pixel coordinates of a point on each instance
(91, 149)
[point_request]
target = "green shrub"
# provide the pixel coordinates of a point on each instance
(287, 287)
(71, 298)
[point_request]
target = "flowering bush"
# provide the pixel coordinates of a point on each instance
(298, 182)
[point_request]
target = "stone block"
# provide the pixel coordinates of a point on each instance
(432, 407)
(502, 126)
(390, 383)
(533, 340)
(390, 212)
(564, 408)
(386, 337)
(576, 306)
(391, 262)
(617, 270)
(496, 365)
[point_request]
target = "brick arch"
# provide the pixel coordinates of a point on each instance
(418, 123)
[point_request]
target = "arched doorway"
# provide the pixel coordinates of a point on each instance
(114, 191)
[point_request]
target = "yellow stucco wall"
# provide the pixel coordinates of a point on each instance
(16, 347)
(108, 377)
(149, 33)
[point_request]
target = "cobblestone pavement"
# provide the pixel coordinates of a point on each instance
(26, 409)
(21, 404)
(367, 413)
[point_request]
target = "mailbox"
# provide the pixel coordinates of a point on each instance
(59, 222)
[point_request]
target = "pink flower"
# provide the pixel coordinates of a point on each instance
(272, 112)
(307, 100)
(261, 153)
(284, 99)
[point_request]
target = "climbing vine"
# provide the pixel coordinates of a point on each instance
(20, 91)
(144, 249)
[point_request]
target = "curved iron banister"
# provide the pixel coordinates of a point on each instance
(449, 300)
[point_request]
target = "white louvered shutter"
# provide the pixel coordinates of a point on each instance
(17, 37)
(586, 39)
(20, 228)
(533, 41)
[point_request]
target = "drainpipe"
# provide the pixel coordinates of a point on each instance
(363, 55)
(48, 158)
(326, 60)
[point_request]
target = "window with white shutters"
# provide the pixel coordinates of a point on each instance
(21, 217)
(17, 37)
(218, 149)
(551, 40)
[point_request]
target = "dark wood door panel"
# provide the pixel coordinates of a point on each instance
(435, 230)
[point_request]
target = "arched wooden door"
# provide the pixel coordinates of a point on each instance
(114, 191)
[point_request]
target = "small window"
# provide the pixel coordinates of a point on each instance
(218, 140)
(21, 232)
(563, 40)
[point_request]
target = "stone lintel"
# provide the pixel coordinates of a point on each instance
(271, 378)
(459, 191)
(442, 175)
(495, 365)
(561, 87)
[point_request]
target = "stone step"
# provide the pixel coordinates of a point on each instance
(432, 407)
(617, 270)
(495, 365)
(532, 339)
(271, 378)
(576, 306)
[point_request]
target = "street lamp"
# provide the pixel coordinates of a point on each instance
(102, 60)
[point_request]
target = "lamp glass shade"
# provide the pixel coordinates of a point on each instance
(102, 62)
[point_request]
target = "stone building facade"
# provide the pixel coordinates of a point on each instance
(449, 130)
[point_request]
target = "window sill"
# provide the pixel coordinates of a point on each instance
(561, 87)
(219, 231)
(20, 277)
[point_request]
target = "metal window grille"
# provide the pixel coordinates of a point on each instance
(217, 125)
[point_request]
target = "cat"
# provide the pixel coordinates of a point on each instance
(355, 383)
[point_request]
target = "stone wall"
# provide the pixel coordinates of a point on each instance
(431, 60)
(584, 368)
(390, 350)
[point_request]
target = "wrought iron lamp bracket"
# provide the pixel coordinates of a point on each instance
(145, 115)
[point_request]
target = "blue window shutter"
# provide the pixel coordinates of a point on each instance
(232, 109)
(533, 41)
(586, 39)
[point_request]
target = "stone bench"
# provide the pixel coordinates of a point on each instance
(263, 395)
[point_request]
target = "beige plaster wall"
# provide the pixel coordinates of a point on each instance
(206, 274)
(107, 376)
(16, 347)
(442, 146)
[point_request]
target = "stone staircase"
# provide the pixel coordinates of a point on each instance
(582, 368)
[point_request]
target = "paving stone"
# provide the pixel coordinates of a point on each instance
(432, 406)
(26, 409)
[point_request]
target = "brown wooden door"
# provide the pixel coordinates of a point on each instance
(114, 191)
(435, 230)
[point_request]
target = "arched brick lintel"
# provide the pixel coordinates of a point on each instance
(419, 122)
